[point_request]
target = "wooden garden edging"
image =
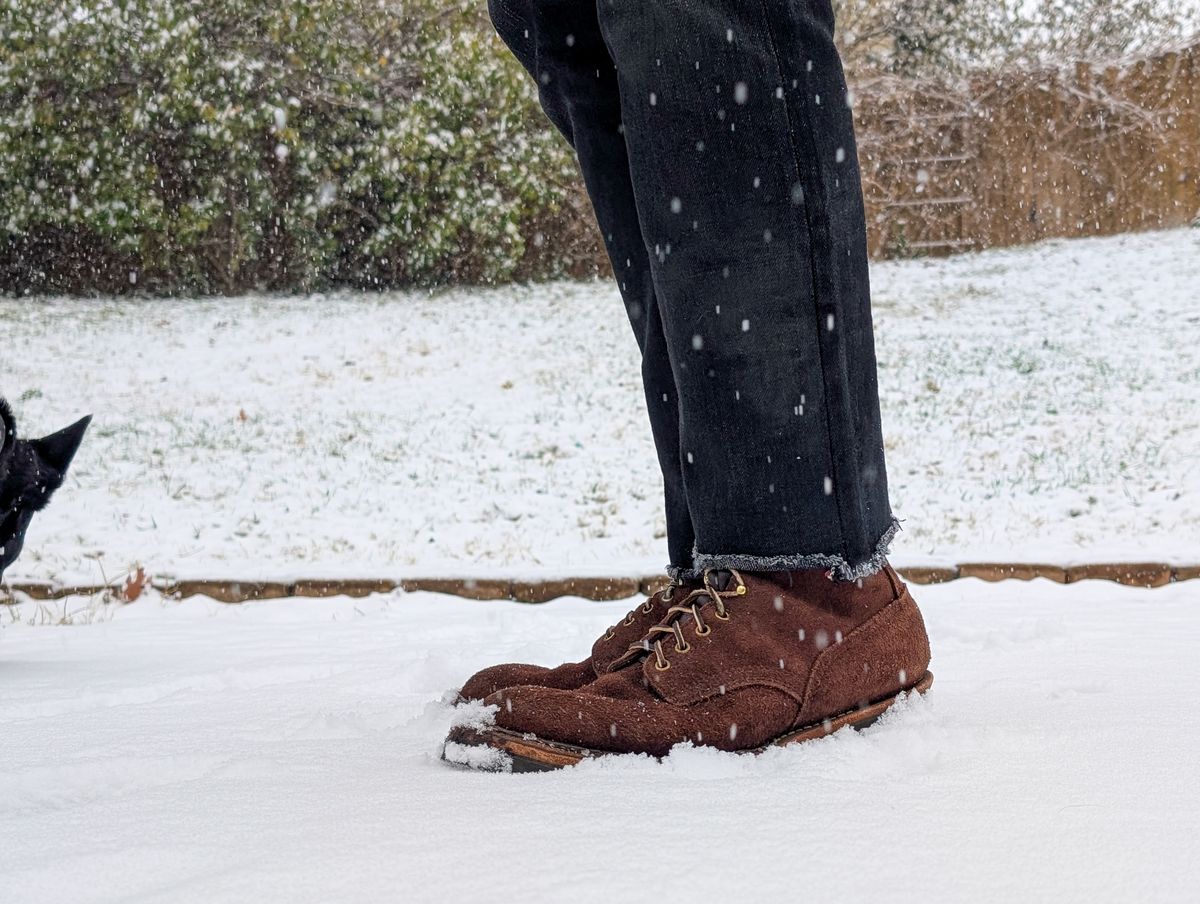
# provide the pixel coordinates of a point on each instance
(1133, 574)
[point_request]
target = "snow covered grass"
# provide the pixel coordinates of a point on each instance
(287, 751)
(1039, 403)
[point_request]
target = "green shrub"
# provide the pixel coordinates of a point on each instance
(220, 145)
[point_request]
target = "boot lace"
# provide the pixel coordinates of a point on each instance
(693, 604)
(666, 595)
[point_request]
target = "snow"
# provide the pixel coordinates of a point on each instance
(288, 751)
(1040, 403)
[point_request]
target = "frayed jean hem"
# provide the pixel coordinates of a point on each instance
(841, 568)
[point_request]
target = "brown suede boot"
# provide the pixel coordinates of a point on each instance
(572, 675)
(741, 663)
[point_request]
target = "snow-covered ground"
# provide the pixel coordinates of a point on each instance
(1039, 403)
(287, 752)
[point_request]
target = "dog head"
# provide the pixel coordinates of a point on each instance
(30, 472)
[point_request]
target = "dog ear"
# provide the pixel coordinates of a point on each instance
(58, 449)
(8, 426)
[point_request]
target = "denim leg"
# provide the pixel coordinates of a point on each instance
(745, 176)
(560, 45)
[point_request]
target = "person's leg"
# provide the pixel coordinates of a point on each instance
(745, 173)
(559, 43)
(745, 177)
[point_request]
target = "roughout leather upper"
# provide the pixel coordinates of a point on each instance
(568, 676)
(796, 648)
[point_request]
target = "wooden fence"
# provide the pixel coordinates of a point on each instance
(1014, 158)
(1006, 159)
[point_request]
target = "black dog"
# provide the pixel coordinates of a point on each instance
(30, 471)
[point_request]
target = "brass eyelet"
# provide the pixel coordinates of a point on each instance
(648, 608)
(662, 668)
(722, 617)
(686, 648)
(741, 591)
(628, 620)
(707, 630)
(608, 635)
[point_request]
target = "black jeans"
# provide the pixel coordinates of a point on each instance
(717, 145)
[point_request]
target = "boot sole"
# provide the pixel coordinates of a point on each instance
(529, 753)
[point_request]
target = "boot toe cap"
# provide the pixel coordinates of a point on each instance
(486, 682)
(568, 676)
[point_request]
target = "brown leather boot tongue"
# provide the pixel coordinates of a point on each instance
(721, 580)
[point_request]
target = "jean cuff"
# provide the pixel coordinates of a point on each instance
(681, 573)
(838, 565)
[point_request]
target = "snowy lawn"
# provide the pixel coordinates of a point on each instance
(1039, 403)
(287, 752)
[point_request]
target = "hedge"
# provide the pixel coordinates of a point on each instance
(200, 146)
